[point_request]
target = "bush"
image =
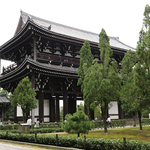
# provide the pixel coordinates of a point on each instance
(89, 143)
(145, 121)
(114, 123)
(44, 130)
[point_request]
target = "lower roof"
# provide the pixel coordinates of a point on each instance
(3, 99)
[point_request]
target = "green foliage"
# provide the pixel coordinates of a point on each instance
(24, 96)
(114, 123)
(146, 20)
(145, 121)
(89, 143)
(10, 111)
(127, 98)
(81, 106)
(136, 88)
(101, 82)
(61, 113)
(87, 58)
(97, 113)
(76, 123)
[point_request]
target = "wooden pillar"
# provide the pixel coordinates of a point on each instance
(74, 105)
(71, 104)
(85, 109)
(34, 48)
(65, 104)
(33, 86)
(52, 109)
(57, 118)
(41, 105)
(91, 112)
(2, 112)
(15, 115)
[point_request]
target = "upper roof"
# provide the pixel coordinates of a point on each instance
(70, 31)
(3, 99)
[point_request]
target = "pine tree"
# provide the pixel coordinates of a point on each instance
(77, 123)
(24, 96)
(86, 58)
(102, 83)
(127, 65)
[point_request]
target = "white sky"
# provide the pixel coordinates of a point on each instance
(119, 18)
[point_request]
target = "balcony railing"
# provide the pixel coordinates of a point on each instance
(54, 59)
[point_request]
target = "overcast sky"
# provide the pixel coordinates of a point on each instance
(119, 18)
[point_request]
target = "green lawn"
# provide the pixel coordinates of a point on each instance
(131, 133)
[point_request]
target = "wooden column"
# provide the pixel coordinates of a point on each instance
(91, 112)
(2, 112)
(65, 104)
(74, 105)
(34, 48)
(33, 86)
(57, 118)
(15, 115)
(71, 104)
(52, 109)
(85, 109)
(41, 105)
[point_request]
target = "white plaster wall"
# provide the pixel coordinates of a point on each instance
(46, 119)
(114, 108)
(37, 109)
(114, 117)
(46, 107)
(19, 111)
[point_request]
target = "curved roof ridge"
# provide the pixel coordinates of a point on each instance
(123, 43)
(72, 31)
(34, 17)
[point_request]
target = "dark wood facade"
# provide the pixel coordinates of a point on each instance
(51, 61)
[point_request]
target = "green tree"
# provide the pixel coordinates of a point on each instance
(81, 106)
(146, 20)
(86, 57)
(127, 65)
(24, 96)
(77, 123)
(61, 113)
(142, 73)
(102, 83)
(10, 111)
(142, 67)
(97, 113)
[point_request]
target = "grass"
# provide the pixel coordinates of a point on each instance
(131, 133)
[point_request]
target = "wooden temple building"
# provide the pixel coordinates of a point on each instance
(48, 53)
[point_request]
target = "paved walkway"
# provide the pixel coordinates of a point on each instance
(12, 147)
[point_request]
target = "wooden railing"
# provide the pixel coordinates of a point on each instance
(57, 59)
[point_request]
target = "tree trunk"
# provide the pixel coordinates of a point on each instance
(139, 114)
(104, 116)
(134, 124)
(78, 134)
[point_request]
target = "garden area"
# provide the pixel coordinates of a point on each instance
(53, 134)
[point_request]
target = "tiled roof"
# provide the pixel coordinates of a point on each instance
(72, 32)
(3, 99)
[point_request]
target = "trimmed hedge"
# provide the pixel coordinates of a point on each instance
(114, 123)
(44, 130)
(145, 121)
(89, 143)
